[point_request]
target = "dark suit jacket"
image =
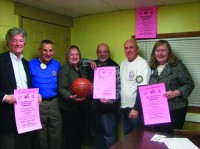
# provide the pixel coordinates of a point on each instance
(96, 104)
(7, 86)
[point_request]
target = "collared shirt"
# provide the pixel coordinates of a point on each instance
(20, 74)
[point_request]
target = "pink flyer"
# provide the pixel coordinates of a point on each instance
(27, 114)
(154, 104)
(104, 83)
(146, 22)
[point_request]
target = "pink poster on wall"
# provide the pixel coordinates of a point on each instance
(146, 22)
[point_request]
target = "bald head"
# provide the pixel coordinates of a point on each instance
(103, 52)
(131, 49)
(133, 41)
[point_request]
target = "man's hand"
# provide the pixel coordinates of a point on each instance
(103, 100)
(93, 65)
(133, 114)
(39, 98)
(10, 99)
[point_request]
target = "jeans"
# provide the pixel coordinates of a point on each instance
(103, 129)
(128, 124)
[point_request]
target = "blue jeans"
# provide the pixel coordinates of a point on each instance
(103, 129)
(128, 124)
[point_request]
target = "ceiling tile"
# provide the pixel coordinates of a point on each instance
(75, 8)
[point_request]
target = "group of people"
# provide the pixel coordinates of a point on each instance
(63, 114)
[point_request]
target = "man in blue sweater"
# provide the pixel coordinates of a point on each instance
(44, 72)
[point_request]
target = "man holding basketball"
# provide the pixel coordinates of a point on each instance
(104, 111)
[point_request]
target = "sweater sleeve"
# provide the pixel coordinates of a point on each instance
(63, 83)
(186, 80)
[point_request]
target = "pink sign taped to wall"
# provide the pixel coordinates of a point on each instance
(146, 22)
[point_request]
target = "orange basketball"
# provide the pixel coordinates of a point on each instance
(82, 87)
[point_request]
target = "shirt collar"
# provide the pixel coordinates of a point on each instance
(13, 56)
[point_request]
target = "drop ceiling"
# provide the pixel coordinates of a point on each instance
(78, 8)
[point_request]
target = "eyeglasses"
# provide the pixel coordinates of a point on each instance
(102, 52)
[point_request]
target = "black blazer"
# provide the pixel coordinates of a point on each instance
(7, 86)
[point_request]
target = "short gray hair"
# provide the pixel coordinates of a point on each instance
(15, 31)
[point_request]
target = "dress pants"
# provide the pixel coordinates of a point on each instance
(51, 133)
(177, 121)
(73, 127)
(26, 140)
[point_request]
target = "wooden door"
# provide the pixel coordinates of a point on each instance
(37, 31)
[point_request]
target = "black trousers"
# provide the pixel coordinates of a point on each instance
(177, 121)
(73, 128)
(19, 141)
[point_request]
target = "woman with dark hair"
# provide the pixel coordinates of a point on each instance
(72, 108)
(167, 68)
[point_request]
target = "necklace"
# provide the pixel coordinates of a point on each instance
(42, 65)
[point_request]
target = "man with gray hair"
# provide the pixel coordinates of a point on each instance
(14, 74)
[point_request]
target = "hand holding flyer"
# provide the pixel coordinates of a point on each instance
(27, 115)
(104, 83)
(154, 104)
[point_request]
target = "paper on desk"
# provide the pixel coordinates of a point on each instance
(183, 143)
(158, 138)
